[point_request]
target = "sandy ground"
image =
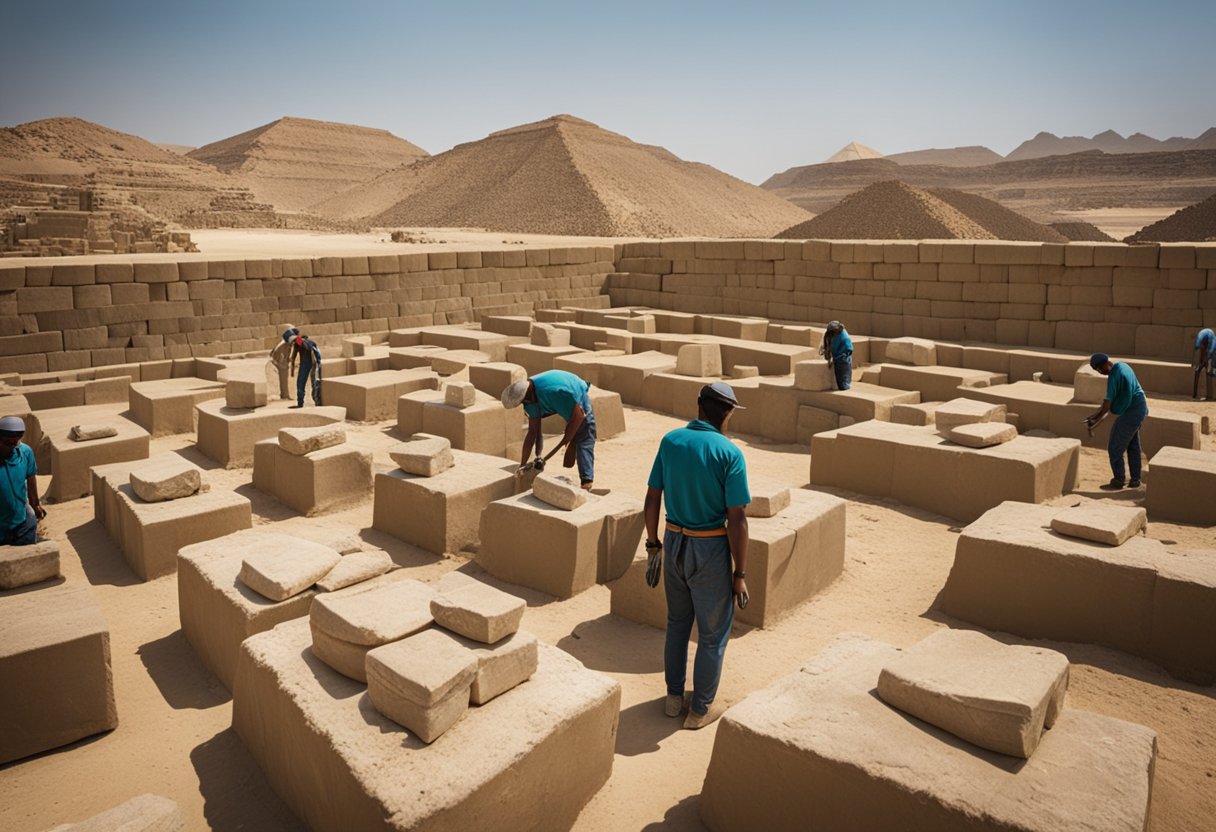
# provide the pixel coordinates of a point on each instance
(1119, 222)
(175, 739)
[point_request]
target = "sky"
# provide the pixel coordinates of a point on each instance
(750, 88)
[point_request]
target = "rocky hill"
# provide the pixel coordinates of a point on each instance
(953, 157)
(1193, 224)
(1049, 144)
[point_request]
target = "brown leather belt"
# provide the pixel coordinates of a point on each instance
(719, 532)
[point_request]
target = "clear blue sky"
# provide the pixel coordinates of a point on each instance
(750, 88)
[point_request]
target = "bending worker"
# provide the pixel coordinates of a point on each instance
(703, 477)
(837, 348)
(1205, 358)
(20, 509)
(565, 394)
(305, 349)
(280, 357)
(1125, 399)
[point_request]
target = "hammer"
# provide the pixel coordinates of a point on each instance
(539, 462)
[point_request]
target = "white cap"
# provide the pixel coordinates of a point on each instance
(513, 395)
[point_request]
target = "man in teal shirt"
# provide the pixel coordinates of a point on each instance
(1125, 399)
(1205, 358)
(703, 478)
(20, 509)
(565, 394)
(838, 350)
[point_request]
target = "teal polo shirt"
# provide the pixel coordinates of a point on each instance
(842, 344)
(1121, 387)
(556, 392)
(701, 473)
(14, 472)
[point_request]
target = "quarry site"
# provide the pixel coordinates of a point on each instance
(263, 600)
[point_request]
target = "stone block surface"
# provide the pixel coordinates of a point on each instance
(1088, 386)
(1180, 486)
(700, 360)
(424, 668)
(355, 567)
(558, 491)
(982, 434)
(227, 436)
(1101, 522)
(502, 665)
(372, 397)
(166, 406)
(963, 411)
(84, 433)
(313, 483)
(769, 497)
(278, 574)
(68, 462)
(815, 375)
(301, 441)
(919, 352)
(376, 616)
(168, 477)
(459, 394)
(423, 455)
(246, 393)
(143, 813)
(478, 611)
(24, 565)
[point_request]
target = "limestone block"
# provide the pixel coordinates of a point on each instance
(451, 362)
(168, 477)
(478, 611)
(55, 663)
(814, 375)
(983, 434)
(376, 616)
(609, 417)
(278, 574)
(1088, 385)
(25, 565)
(547, 335)
(459, 394)
(144, 813)
(640, 324)
(68, 462)
(700, 360)
(956, 412)
(937, 383)
(559, 491)
(744, 371)
(355, 567)
(859, 764)
(372, 397)
(496, 376)
(486, 427)
(301, 441)
(918, 352)
(84, 433)
(227, 436)
(914, 414)
(166, 406)
(997, 696)
(1181, 483)
(769, 497)
(423, 455)
(426, 722)
(553, 736)
(313, 483)
(245, 393)
(428, 671)
(1101, 522)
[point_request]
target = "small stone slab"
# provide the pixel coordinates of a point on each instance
(278, 574)
(558, 491)
(769, 498)
(478, 611)
(245, 393)
(301, 441)
(957, 412)
(355, 567)
(459, 394)
(744, 371)
(423, 455)
(983, 434)
(25, 565)
(170, 478)
(83, 433)
(145, 813)
(814, 375)
(1101, 522)
(377, 616)
(997, 696)
(502, 666)
(422, 682)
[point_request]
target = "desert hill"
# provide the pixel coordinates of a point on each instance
(1049, 144)
(996, 219)
(1193, 224)
(1078, 231)
(564, 175)
(852, 152)
(953, 157)
(295, 162)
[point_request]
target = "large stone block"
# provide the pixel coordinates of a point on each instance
(815, 375)
(303, 441)
(997, 696)
(1100, 522)
(478, 611)
(485, 427)
(166, 406)
(818, 744)
(699, 360)
(372, 397)
(24, 565)
(317, 482)
(1088, 386)
(547, 335)
(962, 411)
(68, 462)
(168, 477)
(552, 738)
(422, 682)
(537, 359)
(496, 376)
(355, 567)
(227, 436)
(1181, 483)
(423, 455)
(246, 393)
(937, 384)
(492, 344)
(919, 352)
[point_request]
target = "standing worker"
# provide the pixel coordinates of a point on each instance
(837, 348)
(1205, 358)
(20, 509)
(280, 357)
(1125, 399)
(703, 477)
(305, 349)
(565, 394)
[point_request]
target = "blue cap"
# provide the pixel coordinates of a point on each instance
(721, 391)
(1098, 359)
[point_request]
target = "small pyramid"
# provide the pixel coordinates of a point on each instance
(1193, 224)
(852, 152)
(890, 210)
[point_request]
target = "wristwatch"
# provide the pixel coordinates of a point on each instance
(655, 544)
(740, 574)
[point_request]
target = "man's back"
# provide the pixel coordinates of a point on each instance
(701, 474)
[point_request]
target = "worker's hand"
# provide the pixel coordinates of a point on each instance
(654, 565)
(39, 512)
(568, 457)
(740, 590)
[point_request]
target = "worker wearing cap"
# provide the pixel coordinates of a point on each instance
(20, 509)
(1205, 357)
(837, 348)
(309, 355)
(1125, 399)
(280, 357)
(702, 476)
(565, 394)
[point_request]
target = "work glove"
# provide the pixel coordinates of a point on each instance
(741, 597)
(654, 565)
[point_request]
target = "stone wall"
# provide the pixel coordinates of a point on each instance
(1125, 300)
(74, 316)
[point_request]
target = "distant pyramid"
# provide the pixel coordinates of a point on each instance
(996, 219)
(565, 176)
(853, 151)
(1193, 224)
(1079, 231)
(954, 157)
(294, 162)
(889, 210)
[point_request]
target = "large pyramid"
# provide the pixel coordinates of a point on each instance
(1193, 224)
(851, 152)
(294, 162)
(567, 176)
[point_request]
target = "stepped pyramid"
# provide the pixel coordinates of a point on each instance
(294, 162)
(566, 176)
(853, 151)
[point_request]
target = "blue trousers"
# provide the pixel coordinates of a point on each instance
(307, 373)
(24, 533)
(842, 366)
(697, 577)
(584, 444)
(1125, 438)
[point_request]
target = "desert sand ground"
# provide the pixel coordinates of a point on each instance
(175, 739)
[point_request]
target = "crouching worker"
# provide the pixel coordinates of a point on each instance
(565, 394)
(20, 509)
(1205, 359)
(702, 476)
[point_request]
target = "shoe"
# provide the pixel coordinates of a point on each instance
(695, 721)
(295, 407)
(1113, 485)
(673, 706)
(1134, 484)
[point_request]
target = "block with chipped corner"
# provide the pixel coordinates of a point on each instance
(459, 394)
(426, 722)
(279, 572)
(963, 411)
(502, 665)
(478, 611)
(85, 433)
(528, 542)
(445, 510)
(246, 393)
(425, 668)
(1180, 486)
(923, 413)
(144, 813)
(314, 483)
(55, 662)
(558, 491)
(485, 427)
(496, 376)
(547, 335)
(227, 436)
(552, 736)
(769, 497)
(301, 441)
(1101, 522)
(355, 567)
(24, 565)
(919, 352)
(1088, 385)
(815, 375)
(345, 657)
(699, 360)
(982, 434)
(791, 557)
(423, 454)
(997, 696)
(376, 616)
(859, 764)
(166, 477)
